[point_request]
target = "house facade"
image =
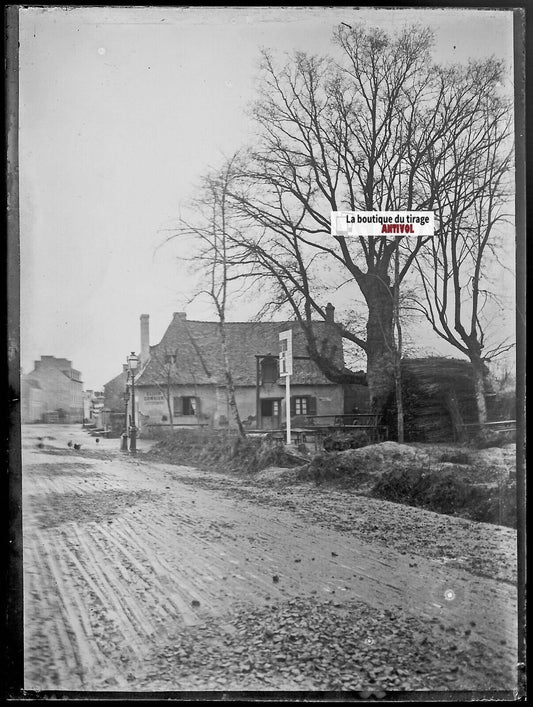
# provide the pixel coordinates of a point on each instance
(61, 391)
(32, 404)
(181, 380)
(93, 404)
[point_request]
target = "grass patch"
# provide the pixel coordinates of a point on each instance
(214, 449)
(389, 471)
(444, 492)
(455, 458)
(328, 468)
(340, 441)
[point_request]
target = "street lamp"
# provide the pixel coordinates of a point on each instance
(133, 362)
(124, 442)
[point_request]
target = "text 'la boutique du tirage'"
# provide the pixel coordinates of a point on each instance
(381, 223)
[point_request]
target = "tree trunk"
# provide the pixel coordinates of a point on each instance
(380, 341)
(169, 406)
(230, 387)
(479, 389)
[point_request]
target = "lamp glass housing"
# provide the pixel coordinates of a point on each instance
(133, 361)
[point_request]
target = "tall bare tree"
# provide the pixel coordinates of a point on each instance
(361, 133)
(456, 268)
(215, 261)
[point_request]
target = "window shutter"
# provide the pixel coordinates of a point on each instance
(198, 410)
(178, 406)
(311, 405)
(293, 406)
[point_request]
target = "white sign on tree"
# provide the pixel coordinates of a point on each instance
(285, 370)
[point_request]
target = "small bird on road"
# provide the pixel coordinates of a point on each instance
(77, 446)
(97, 440)
(69, 443)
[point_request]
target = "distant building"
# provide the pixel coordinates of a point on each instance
(93, 404)
(32, 404)
(113, 415)
(61, 392)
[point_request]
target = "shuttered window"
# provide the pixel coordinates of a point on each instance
(303, 405)
(186, 405)
(270, 407)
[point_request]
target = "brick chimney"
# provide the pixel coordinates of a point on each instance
(180, 316)
(145, 337)
(330, 313)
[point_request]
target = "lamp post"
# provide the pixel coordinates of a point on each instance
(124, 442)
(133, 362)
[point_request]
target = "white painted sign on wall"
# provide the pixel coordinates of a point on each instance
(285, 353)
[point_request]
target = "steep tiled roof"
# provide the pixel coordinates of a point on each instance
(196, 346)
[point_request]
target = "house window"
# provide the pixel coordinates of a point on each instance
(187, 405)
(269, 370)
(170, 358)
(270, 408)
(303, 405)
(300, 406)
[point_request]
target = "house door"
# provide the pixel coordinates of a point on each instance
(270, 413)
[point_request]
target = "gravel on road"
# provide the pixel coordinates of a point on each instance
(144, 576)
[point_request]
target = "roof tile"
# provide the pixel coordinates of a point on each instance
(197, 348)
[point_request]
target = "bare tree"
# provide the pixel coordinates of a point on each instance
(215, 261)
(455, 270)
(364, 133)
(164, 364)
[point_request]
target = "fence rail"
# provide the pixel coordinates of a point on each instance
(494, 426)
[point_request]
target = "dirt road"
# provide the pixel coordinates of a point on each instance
(148, 576)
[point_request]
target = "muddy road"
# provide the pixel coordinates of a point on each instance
(148, 576)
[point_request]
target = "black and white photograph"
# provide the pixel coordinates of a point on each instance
(264, 336)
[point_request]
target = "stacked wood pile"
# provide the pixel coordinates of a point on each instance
(438, 398)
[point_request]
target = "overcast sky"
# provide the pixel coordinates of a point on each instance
(121, 111)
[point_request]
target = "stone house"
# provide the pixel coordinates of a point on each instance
(32, 406)
(182, 378)
(61, 388)
(114, 412)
